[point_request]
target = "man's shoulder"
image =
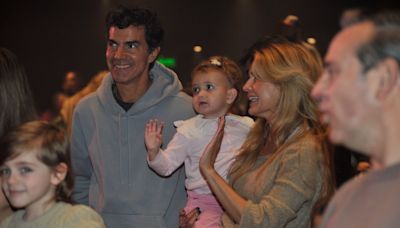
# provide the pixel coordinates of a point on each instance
(347, 189)
(87, 101)
(183, 97)
(178, 106)
(180, 99)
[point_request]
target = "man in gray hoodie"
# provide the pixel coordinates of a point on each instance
(107, 145)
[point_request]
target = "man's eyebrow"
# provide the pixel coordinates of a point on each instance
(111, 41)
(132, 42)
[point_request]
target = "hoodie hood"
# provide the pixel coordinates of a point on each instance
(164, 83)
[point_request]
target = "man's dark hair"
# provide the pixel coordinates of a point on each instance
(385, 41)
(122, 17)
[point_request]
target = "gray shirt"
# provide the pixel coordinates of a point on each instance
(371, 200)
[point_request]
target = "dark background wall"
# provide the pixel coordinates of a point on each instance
(55, 36)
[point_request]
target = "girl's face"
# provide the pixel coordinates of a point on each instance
(212, 93)
(27, 182)
(263, 95)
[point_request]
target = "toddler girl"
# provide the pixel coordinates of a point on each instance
(37, 180)
(215, 86)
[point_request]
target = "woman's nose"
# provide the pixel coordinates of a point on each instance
(247, 86)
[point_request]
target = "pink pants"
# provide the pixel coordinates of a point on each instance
(211, 211)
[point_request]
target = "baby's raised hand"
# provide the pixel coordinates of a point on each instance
(153, 137)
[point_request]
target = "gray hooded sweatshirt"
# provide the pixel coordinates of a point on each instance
(109, 156)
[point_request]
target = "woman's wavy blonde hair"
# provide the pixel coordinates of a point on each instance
(293, 68)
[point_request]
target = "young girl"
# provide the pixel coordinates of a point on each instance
(16, 102)
(37, 180)
(215, 86)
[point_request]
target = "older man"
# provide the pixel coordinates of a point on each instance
(359, 96)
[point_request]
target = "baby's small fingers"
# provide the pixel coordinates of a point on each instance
(160, 127)
(148, 127)
(153, 125)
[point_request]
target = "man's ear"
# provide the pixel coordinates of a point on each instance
(232, 94)
(59, 173)
(389, 76)
(153, 55)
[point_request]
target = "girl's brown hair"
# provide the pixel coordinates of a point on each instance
(52, 144)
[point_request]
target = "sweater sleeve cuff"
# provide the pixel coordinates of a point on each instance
(158, 163)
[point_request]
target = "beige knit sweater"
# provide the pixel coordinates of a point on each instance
(282, 189)
(61, 215)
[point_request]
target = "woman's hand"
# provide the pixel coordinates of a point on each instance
(226, 195)
(210, 153)
(188, 220)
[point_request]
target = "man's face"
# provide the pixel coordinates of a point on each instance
(128, 55)
(343, 91)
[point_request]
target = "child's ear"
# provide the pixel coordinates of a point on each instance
(59, 173)
(232, 94)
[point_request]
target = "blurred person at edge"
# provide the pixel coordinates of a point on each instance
(358, 96)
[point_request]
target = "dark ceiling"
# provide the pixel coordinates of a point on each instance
(53, 37)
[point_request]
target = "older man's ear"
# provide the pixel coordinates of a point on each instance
(388, 78)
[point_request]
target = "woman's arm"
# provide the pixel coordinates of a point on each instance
(295, 184)
(232, 202)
